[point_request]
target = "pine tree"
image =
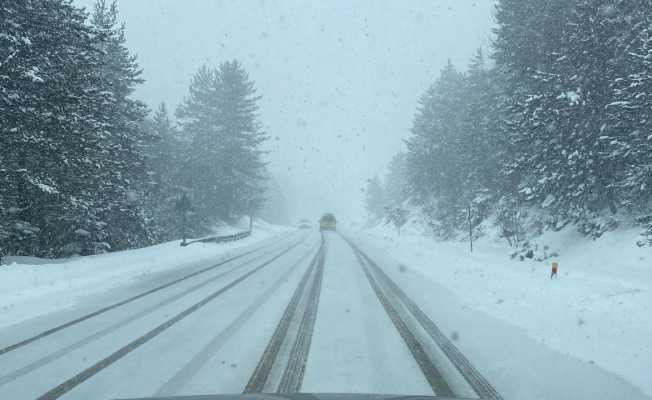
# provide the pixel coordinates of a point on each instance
(70, 129)
(481, 143)
(164, 158)
(528, 43)
(396, 188)
(560, 124)
(119, 191)
(398, 217)
(48, 87)
(436, 164)
(631, 112)
(375, 200)
(242, 140)
(200, 172)
(594, 60)
(164, 154)
(225, 171)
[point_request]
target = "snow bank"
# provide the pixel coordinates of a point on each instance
(29, 290)
(597, 310)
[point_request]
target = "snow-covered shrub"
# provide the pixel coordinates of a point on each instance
(533, 251)
(596, 225)
(646, 234)
(509, 218)
(397, 216)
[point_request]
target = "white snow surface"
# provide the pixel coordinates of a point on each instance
(586, 333)
(355, 348)
(40, 288)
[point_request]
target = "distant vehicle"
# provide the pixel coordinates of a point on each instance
(304, 224)
(327, 222)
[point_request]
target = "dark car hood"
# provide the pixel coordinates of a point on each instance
(299, 396)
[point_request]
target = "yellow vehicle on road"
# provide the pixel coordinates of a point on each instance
(327, 222)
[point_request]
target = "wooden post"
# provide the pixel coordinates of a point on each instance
(470, 229)
(183, 206)
(183, 228)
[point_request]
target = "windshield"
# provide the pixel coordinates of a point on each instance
(339, 198)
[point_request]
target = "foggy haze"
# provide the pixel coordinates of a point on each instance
(340, 80)
(337, 199)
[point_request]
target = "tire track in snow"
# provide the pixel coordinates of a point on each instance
(103, 310)
(7, 378)
(296, 367)
(175, 384)
(86, 374)
(269, 358)
(435, 379)
(476, 381)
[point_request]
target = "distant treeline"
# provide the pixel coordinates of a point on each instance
(83, 168)
(556, 121)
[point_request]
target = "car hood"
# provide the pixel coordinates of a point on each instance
(299, 396)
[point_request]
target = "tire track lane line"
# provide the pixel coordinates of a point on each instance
(294, 371)
(110, 307)
(435, 379)
(86, 374)
(176, 383)
(260, 376)
(34, 365)
(476, 381)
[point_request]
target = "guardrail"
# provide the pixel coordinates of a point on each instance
(220, 239)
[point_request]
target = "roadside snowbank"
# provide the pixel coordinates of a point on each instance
(597, 310)
(29, 290)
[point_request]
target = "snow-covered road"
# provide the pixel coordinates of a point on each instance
(299, 311)
(296, 313)
(355, 347)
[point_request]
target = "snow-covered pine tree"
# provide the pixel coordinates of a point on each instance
(434, 151)
(396, 189)
(572, 79)
(66, 117)
(225, 171)
(398, 217)
(243, 138)
(200, 170)
(594, 61)
(164, 153)
(631, 112)
(48, 124)
(481, 143)
(564, 115)
(541, 106)
(120, 179)
(375, 201)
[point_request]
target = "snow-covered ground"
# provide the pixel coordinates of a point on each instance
(598, 310)
(41, 287)
(584, 335)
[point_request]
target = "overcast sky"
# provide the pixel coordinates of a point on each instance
(340, 79)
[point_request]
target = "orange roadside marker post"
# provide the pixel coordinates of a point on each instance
(555, 267)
